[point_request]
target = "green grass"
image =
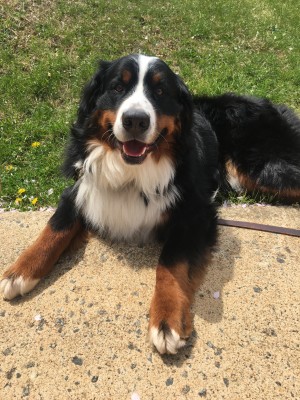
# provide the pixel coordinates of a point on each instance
(49, 49)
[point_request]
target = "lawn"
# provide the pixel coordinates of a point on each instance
(49, 49)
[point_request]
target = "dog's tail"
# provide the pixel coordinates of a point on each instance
(259, 144)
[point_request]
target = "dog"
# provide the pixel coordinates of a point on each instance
(147, 159)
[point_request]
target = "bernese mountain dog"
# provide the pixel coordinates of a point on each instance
(147, 159)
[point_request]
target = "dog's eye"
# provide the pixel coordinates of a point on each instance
(119, 88)
(159, 91)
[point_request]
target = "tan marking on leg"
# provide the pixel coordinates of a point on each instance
(248, 184)
(38, 259)
(170, 312)
(172, 299)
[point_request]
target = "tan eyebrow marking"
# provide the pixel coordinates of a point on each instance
(157, 77)
(126, 76)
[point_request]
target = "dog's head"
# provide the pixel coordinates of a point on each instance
(135, 105)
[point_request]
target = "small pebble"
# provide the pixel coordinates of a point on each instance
(169, 381)
(202, 393)
(7, 352)
(226, 381)
(9, 374)
(77, 361)
(26, 391)
(185, 389)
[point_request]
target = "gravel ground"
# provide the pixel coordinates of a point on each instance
(81, 334)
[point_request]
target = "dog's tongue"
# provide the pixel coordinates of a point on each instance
(134, 148)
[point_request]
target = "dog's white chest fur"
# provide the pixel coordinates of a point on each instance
(125, 201)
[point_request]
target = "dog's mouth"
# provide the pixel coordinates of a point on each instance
(135, 151)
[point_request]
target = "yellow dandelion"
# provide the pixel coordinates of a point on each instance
(35, 144)
(9, 167)
(21, 191)
(34, 201)
(18, 200)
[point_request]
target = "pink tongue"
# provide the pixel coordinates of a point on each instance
(134, 148)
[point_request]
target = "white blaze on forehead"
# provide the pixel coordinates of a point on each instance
(138, 101)
(144, 64)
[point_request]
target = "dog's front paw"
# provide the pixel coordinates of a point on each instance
(12, 286)
(165, 339)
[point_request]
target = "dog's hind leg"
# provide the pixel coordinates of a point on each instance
(38, 259)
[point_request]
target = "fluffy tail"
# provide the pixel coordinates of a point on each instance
(259, 144)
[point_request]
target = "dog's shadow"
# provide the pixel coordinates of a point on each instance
(208, 303)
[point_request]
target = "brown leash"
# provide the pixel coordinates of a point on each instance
(260, 227)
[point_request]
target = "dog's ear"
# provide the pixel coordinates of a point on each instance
(186, 101)
(91, 92)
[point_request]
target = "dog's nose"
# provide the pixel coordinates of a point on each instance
(135, 121)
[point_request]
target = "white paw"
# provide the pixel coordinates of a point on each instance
(166, 341)
(12, 287)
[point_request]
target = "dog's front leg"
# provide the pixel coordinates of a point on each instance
(178, 276)
(38, 259)
(170, 315)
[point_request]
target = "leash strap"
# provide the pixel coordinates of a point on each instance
(260, 227)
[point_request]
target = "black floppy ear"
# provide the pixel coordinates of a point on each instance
(186, 101)
(92, 91)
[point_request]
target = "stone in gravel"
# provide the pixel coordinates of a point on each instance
(169, 381)
(7, 352)
(77, 361)
(26, 391)
(10, 373)
(185, 389)
(218, 351)
(226, 381)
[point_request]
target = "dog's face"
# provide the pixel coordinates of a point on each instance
(135, 105)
